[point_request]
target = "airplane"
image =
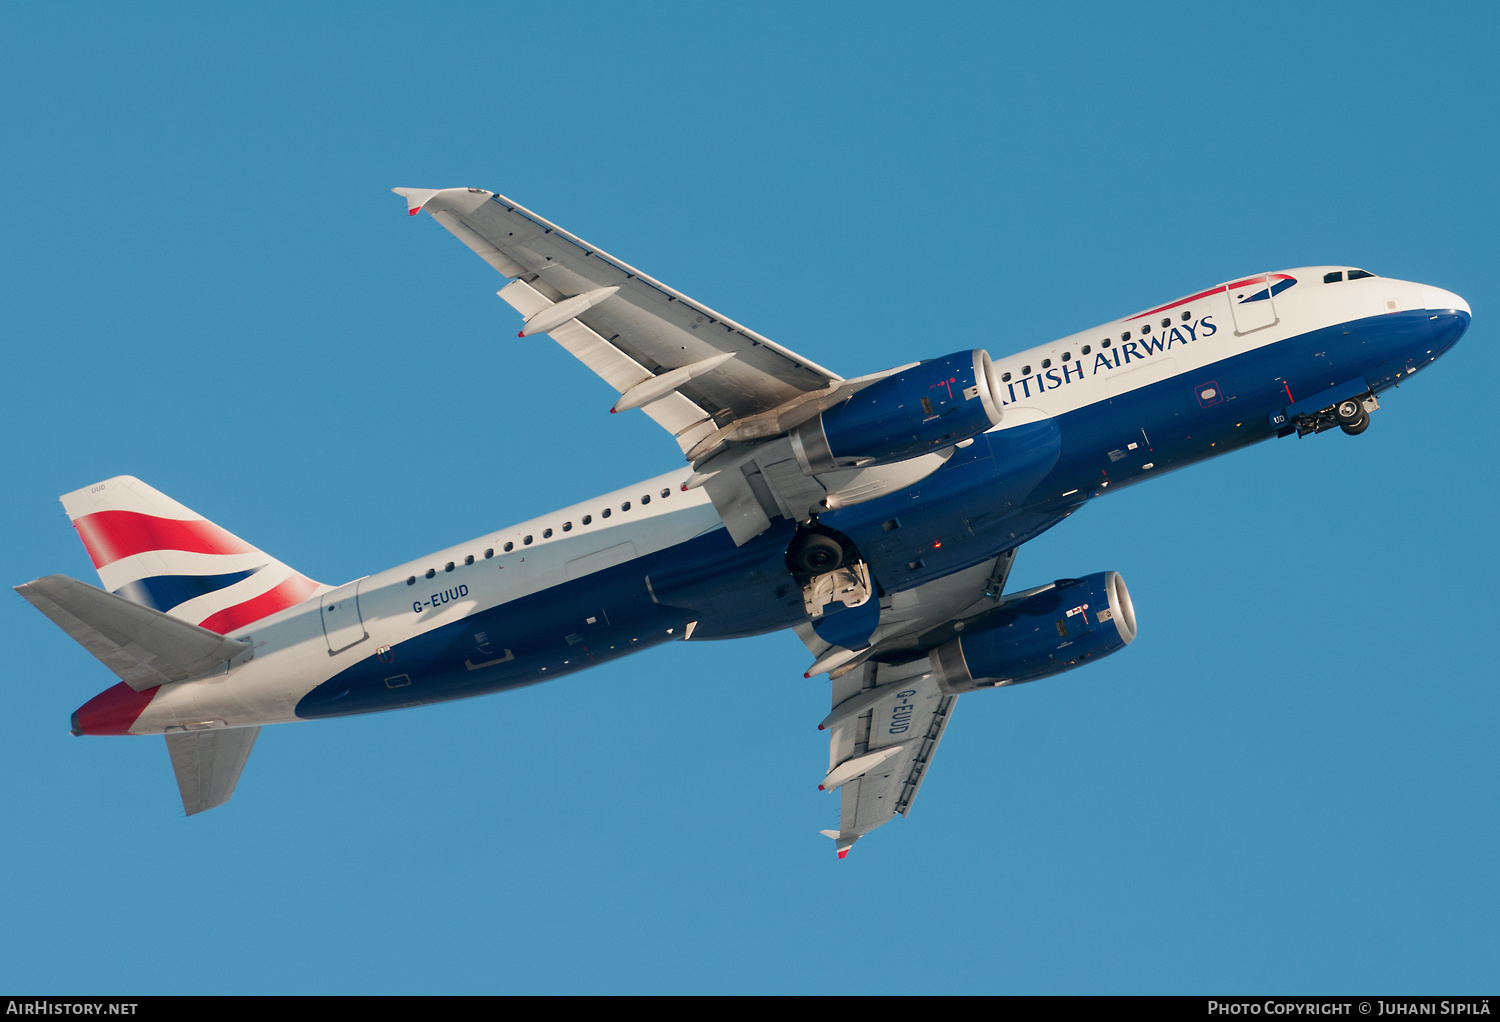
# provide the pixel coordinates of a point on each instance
(878, 517)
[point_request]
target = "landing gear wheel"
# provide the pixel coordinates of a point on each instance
(1358, 426)
(1350, 411)
(819, 554)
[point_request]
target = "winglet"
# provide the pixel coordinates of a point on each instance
(842, 842)
(416, 198)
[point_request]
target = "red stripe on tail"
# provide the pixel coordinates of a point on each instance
(288, 594)
(110, 535)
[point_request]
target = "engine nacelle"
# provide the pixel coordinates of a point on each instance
(928, 407)
(1061, 627)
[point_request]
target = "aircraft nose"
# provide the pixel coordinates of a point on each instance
(1439, 300)
(1449, 315)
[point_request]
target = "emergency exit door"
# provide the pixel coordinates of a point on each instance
(342, 625)
(1252, 304)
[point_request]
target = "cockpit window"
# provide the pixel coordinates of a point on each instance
(1359, 274)
(1334, 277)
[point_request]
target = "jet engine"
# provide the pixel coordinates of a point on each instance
(928, 407)
(1044, 632)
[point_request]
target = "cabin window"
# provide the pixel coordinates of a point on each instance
(567, 526)
(1359, 274)
(604, 513)
(1085, 350)
(1046, 363)
(1334, 277)
(526, 541)
(1005, 377)
(1026, 370)
(1145, 329)
(1186, 315)
(411, 580)
(645, 498)
(665, 494)
(1125, 337)
(448, 566)
(1067, 355)
(489, 553)
(625, 506)
(509, 547)
(587, 519)
(431, 572)
(469, 559)
(1166, 322)
(1105, 343)
(546, 533)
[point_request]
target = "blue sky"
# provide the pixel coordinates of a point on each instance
(1288, 783)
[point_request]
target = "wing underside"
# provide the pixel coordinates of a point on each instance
(890, 733)
(889, 714)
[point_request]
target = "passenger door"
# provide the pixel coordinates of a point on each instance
(342, 625)
(1251, 303)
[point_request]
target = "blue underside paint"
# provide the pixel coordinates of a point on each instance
(1004, 489)
(850, 627)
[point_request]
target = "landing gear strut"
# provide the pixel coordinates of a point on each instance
(1352, 415)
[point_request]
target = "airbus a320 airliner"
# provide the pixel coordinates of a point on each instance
(877, 517)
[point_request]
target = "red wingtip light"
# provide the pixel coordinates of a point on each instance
(684, 487)
(843, 853)
(820, 727)
(806, 675)
(521, 333)
(820, 787)
(613, 410)
(414, 211)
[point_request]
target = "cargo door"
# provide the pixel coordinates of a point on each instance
(1252, 304)
(342, 624)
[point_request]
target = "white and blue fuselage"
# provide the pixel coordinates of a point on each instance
(650, 563)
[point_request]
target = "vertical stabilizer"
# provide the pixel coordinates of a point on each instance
(155, 552)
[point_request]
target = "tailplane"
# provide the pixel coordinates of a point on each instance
(208, 764)
(155, 552)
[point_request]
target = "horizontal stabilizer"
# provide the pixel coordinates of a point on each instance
(144, 647)
(208, 764)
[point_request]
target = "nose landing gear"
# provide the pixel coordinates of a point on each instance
(1352, 417)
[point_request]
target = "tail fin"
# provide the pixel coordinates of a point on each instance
(153, 551)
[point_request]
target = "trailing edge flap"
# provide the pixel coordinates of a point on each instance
(144, 647)
(208, 764)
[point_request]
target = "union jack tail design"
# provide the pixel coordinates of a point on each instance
(153, 551)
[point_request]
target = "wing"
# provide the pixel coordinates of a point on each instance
(885, 731)
(889, 715)
(693, 370)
